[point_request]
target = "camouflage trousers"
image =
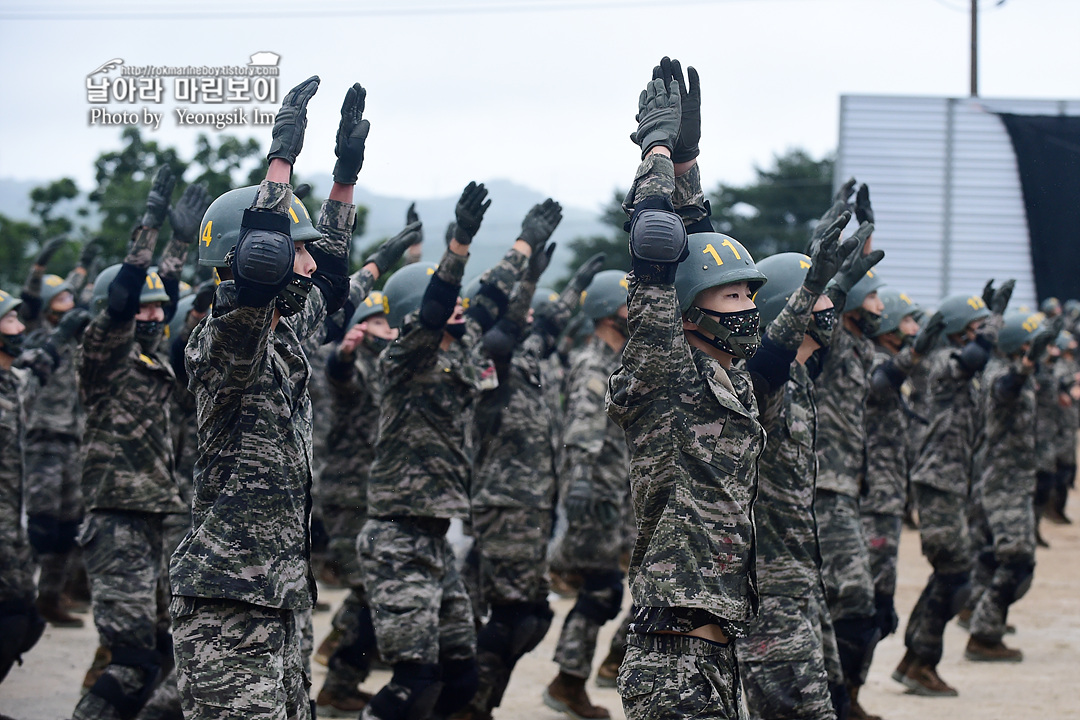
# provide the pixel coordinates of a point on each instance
(588, 546)
(1004, 564)
(343, 525)
(782, 661)
(883, 540)
(845, 557)
(674, 676)
(53, 476)
(512, 551)
(236, 660)
(351, 661)
(944, 534)
(419, 605)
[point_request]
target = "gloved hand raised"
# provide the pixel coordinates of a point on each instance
(828, 254)
(659, 116)
(186, 215)
(157, 202)
(929, 334)
(469, 212)
(71, 325)
(538, 262)
(89, 253)
(540, 222)
(391, 251)
(856, 264)
(863, 211)
(584, 276)
(997, 299)
(48, 249)
(291, 121)
(351, 136)
(686, 145)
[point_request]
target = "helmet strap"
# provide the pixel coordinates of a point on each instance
(724, 328)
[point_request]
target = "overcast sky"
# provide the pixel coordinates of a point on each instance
(541, 93)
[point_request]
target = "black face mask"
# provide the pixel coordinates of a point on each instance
(292, 299)
(11, 344)
(622, 325)
(869, 323)
(375, 344)
(821, 326)
(455, 330)
(735, 333)
(148, 334)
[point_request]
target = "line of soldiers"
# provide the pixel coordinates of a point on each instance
(752, 431)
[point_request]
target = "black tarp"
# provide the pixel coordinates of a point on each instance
(1047, 151)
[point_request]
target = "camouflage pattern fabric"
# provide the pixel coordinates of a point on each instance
(250, 538)
(845, 568)
(53, 475)
(882, 533)
(996, 585)
(668, 676)
(1065, 370)
(782, 661)
(418, 603)
(1048, 416)
(696, 444)
(887, 435)
(239, 660)
(56, 409)
(16, 560)
(841, 389)
(425, 448)
(512, 544)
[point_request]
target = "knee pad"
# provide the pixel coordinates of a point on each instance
(359, 652)
(422, 685)
(495, 636)
(1022, 574)
(601, 597)
(956, 589)
(43, 531)
(20, 628)
(856, 639)
(128, 705)
(459, 682)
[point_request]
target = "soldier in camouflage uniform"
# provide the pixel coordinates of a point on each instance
(1048, 419)
(1067, 381)
(355, 388)
(593, 480)
(54, 429)
(129, 483)
(942, 473)
(420, 477)
(690, 419)
(1003, 520)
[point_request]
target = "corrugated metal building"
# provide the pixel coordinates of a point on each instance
(948, 205)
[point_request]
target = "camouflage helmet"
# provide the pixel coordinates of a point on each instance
(374, 304)
(1019, 328)
(404, 291)
(605, 294)
(786, 273)
(867, 284)
(959, 311)
(176, 326)
(714, 260)
(153, 289)
(897, 306)
(220, 227)
(51, 287)
(1050, 306)
(8, 302)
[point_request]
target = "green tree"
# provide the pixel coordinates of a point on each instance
(18, 239)
(615, 245)
(777, 211)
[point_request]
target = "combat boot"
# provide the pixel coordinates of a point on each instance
(327, 647)
(901, 669)
(566, 694)
(978, 651)
(922, 679)
(857, 712)
(609, 670)
(102, 658)
(49, 607)
(341, 704)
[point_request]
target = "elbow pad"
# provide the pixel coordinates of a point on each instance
(262, 263)
(973, 357)
(438, 303)
(480, 309)
(124, 292)
(772, 363)
(331, 277)
(658, 243)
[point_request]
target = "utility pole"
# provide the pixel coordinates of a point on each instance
(974, 48)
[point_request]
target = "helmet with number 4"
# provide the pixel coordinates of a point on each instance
(153, 290)
(220, 227)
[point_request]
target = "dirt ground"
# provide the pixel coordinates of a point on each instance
(47, 685)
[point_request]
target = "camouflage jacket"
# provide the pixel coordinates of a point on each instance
(887, 437)
(695, 443)
(788, 557)
(16, 564)
(355, 388)
(56, 408)
(250, 538)
(185, 428)
(1064, 379)
(841, 390)
(1048, 417)
(424, 454)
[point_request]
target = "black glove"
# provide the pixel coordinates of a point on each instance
(686, 145)
(998, 299)
(928, 335)
(828, 254)
(855, 266)
(843, 194)
(539, 223)
(291, 121)
(885, 614)
(204, 296)
(584, 275)
(89, 253)
(579, 501)
(863, 211)
(538, 262)
(157, 202)
(391, 251)
(71, 325)
(301, 191)
(469, 212)
(48, 249)
(411, 215)
(351, 135)
(186, 215)
(659, 116)
(837, 210)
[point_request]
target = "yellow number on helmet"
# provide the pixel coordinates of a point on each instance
(735, 252)
(710, 250)
(207, 233)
